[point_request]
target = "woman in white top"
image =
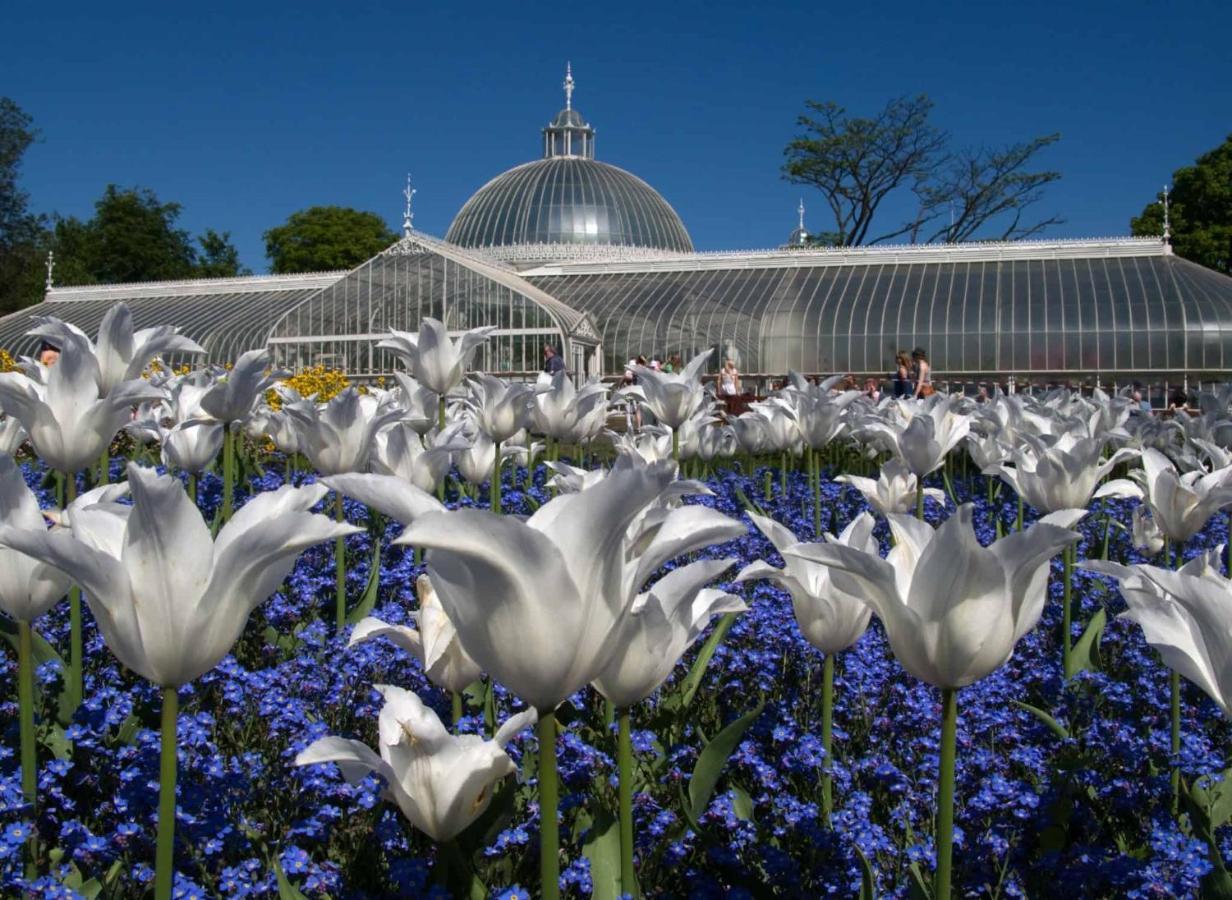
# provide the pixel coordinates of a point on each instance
(729, 380)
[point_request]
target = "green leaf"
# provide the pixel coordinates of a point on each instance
(918, 888)
(742, 804)
(65, 694)
(692, 681)
(286, 890)
(868, 878)
(714, 757)
(1085, 653)
(1056, 727)
(602, 848)
(368, 601)
(52, 737)
(749, 504)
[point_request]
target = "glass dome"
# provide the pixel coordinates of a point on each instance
(568, 198)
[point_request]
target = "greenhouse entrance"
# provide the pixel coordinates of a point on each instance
(341, 325)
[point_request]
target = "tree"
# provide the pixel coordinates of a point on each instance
(132, 236)
(326, 237)
(857, 163)
(1199, 212)
(980, 187)
(218, 257)
(22, 234)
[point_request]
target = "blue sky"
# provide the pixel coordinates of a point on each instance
(247, 112)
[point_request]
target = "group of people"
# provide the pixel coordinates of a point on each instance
(913, 376)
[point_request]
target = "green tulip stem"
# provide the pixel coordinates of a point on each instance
(815, 462)
(191, 488)
(549, 828)
(164, 859)
(919, 500)
(77, 663)
(228, 473)
(339, 566)
(494, 489)
(676, 445)
(945, 794)
(767, 478)
(624, 762)
(827, 737)
(1018, 523)
(1174, 689)
(440, 413)
(104, 465)
(29, 759)
(457, 706)
(1067, 613)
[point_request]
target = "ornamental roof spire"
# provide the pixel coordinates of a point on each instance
(568, 85)
(408, 216)
(1167, 221)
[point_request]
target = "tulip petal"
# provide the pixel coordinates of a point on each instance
(387, 494)
(401, 636)
(511, 597)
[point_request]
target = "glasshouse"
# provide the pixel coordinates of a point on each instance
(578, 253)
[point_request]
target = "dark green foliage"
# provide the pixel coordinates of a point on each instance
(1200, 212)
(22, 234)
(322, 238)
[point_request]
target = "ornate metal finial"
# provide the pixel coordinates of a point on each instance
(51, 268)
(1167, 221)
(568, 85)
(408, 217)
(800, 209)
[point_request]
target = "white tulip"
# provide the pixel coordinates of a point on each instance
(895, 489)
(1180, 505)
(659, 627)
(501, 408)
(337, 436)
(235, 394)
(952, 609)
(560, 407)
(435, 644)
(12, 435)
(1184, 614)
(441, 782)
(751, 435)
(169, 600)
(672, 397)
(28, 587)
(69, 421)
(1147, 538)
(192, 445)
(830, 619)
(1062, 475)
(535, 602)
(399, 450)
(121, 354)
(435, 361)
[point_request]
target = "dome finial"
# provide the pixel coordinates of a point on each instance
(801, 210)
(568, 85)
(408, 217)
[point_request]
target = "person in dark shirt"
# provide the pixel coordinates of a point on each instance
(552, 363)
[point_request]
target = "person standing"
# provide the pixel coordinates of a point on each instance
(729, 380)
(902, 374)
(923, 373)
(552, 363)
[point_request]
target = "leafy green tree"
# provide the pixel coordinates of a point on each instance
(132, 237)
(326, 237)
(218, 257)
(859, 162)
(1200, 211)
(22, 234)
